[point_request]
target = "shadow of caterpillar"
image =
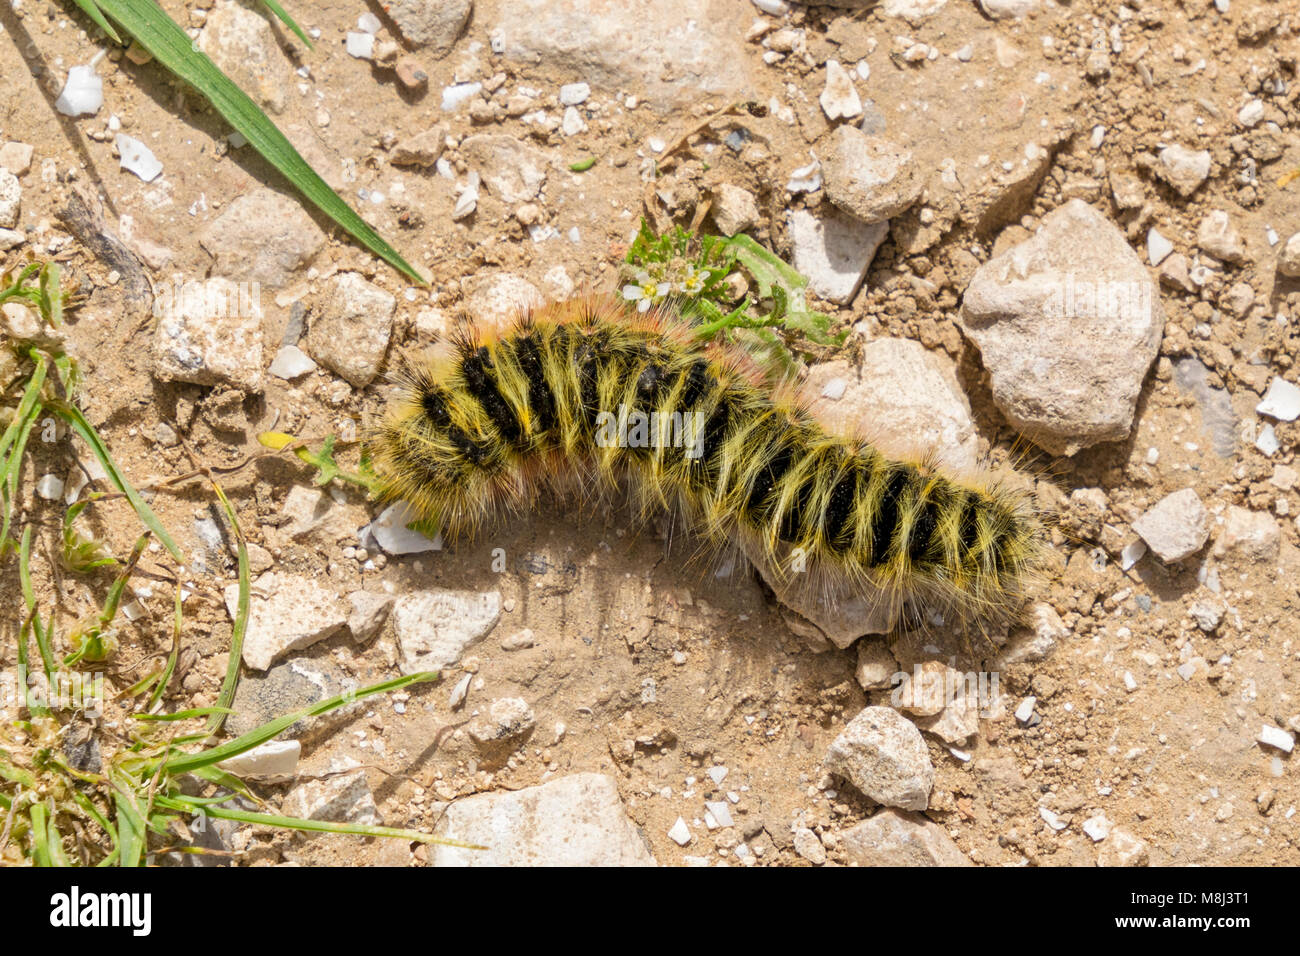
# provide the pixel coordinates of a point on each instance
(584, 389)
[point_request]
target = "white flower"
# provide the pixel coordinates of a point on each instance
(693, 282)
(646, 292)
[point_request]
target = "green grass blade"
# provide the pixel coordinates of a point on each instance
(183, 714)
(92, 10)
(40, 840)
(289, 22)
(231, 681)
(316, 826)
(77, 421)
(172, 47)
(186, 763)
(29, 598)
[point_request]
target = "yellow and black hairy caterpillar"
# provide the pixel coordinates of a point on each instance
(583, 387)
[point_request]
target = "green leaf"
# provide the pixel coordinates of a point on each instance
(240, 627)
(74, 417)
(92, 10)
(289, 22)
(171, 46)
(187, 763)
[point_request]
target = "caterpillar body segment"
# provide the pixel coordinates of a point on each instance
(580, 388)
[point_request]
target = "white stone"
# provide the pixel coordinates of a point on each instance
(204, 340)
(83, 93)
(882, 754)
(913, 11)
(435, 627)
(136, 157)
(573, 123)
(262, 237)
(869, 177)
(50, 487)
(509, 720)
(458, 94)
(273, 762)
(350, 336)
(498, 298)
(734, 209)
(1288, 260)
(1281, 401)
(574, 821)
(571, 94)
(892, 838)
(808, 846)
(1131, 554)
(1276, 737)
(1251, 114)
(1158, 247)
(679, 832)
(834, 250)
(839, 99)
(721, 812)
(287, 612)
(1176, 527)
(291, 362)
(1184, 169)
(1247, 535)
(1122, 849)
(1008, 9)
(11, 193)
(432, 25)
(512, 171)
(391, 531)
(1025, 712)
(678, 52)
(1068, 323)
(368, 610)
(1217, 236)
(337, 798)
(905, 396)
(876, 666)
(1097, 827)
(360, 45)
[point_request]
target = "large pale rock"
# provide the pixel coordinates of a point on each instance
(869, 177)
(496, 299)
(1248, 535)
(891, 838)
(1067, 323)
(833, 250)
(242, 43)
(209, 333)
(904, 398)
(286, 612)
(882, 754)
(434, 627)
(1176, 527)
(576, 820)
(512, 171)
(675, 51)
(351, 335)
(430, 24)
(264, 237)
(11, 194)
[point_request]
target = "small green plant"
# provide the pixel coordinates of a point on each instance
(692, 270)
(138, 802)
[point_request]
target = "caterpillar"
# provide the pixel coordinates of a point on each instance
(583, 387)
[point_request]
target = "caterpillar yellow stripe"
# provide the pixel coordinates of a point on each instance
(582, 387)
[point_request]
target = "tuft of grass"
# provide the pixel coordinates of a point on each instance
(159, 34)
(139, 803)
